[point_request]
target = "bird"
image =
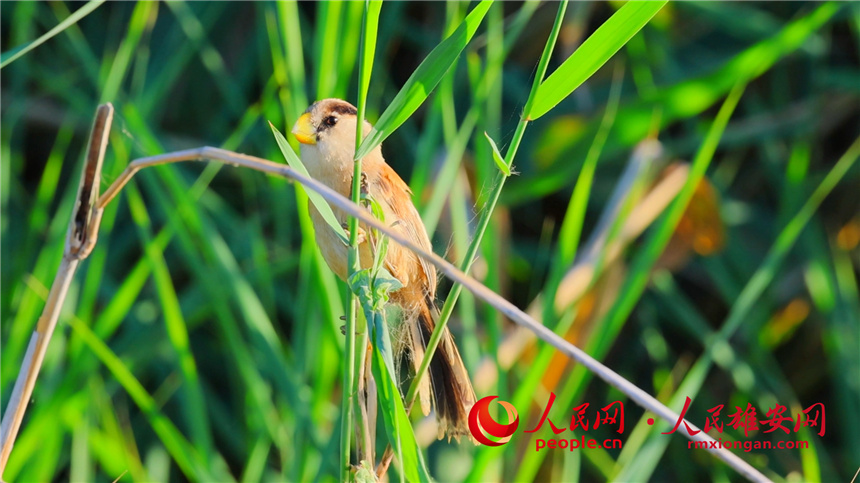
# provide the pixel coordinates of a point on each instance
(326, 132)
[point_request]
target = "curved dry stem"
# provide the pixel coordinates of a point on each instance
(637, 395)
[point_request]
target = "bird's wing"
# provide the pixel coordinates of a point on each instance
(396, 199)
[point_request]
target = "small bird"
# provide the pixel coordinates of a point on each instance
(326, 132)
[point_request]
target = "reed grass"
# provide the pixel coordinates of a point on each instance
(201, 339)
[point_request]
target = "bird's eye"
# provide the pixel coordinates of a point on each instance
(330, 121)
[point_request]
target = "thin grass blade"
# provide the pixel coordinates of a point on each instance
(425, 78)
(9, 56)
(592, 54)
(316, 199)
(397, 423)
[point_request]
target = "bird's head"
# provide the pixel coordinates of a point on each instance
(327, 132)
(324, 121)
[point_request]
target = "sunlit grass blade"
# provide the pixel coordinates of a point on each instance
(425, 78)
(316, 199)
(681, 100)
(368, 52)
(592, 54)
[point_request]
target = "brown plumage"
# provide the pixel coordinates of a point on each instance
(327, 133)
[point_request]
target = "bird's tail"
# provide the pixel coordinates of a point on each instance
(448, 388)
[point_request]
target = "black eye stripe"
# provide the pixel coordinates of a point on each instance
(330, 111)
(344, 109)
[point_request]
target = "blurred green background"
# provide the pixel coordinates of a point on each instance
(206, 318)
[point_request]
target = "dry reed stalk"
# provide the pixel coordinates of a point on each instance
(80, 240)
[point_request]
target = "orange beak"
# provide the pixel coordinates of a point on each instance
(304, 130)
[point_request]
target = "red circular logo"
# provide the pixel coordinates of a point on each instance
(481, 423)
